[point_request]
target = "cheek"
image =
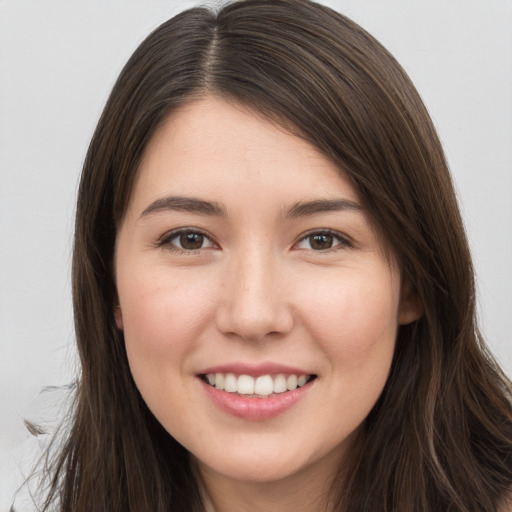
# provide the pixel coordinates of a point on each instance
(354, 322)
(355, 318)
(163, 316)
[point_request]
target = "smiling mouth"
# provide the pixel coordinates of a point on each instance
(263, 386)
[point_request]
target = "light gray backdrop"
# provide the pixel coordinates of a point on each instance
(58, 61)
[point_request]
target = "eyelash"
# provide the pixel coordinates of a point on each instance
(343, 240)
(167, 239)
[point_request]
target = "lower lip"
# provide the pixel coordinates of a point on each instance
(255, 409)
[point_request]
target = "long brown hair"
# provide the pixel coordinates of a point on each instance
(440, 436)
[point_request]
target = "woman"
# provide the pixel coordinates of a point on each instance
(273, 294)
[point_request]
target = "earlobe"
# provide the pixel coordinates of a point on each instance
(119, 317)
(411, 308)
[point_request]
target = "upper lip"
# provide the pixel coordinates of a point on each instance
(254, 370)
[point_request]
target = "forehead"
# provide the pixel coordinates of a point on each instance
(210, 146)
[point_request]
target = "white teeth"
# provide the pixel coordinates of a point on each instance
(219, 380)
(291, 382)
(231, 383)
(280, 384)
(264, 385)
(245, 385)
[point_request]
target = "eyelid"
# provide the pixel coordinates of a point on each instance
(344, 240)
(166, 238)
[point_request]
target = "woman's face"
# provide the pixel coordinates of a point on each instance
(245, 261)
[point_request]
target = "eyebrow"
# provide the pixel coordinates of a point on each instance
(201, 207)
(185, 204)
(305, 209)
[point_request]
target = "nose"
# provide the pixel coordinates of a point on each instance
(253, 303)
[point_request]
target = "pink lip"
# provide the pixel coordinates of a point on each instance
(255, 409)
(254, 370)
(251, 408)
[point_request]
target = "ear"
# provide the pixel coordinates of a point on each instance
(411, 308)
(118, 314)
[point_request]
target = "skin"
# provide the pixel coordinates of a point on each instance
(256, 290)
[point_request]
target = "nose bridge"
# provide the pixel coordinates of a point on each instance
(252, 305)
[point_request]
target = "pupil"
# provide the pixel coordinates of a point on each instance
(321, 242)
(191, 241)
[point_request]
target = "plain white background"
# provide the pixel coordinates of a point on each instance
(58, 61)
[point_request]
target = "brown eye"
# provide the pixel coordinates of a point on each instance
(320, 242)
(187, 240)
(191, 241)
(323, 241)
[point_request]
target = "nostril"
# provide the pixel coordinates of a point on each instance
(254, 322)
